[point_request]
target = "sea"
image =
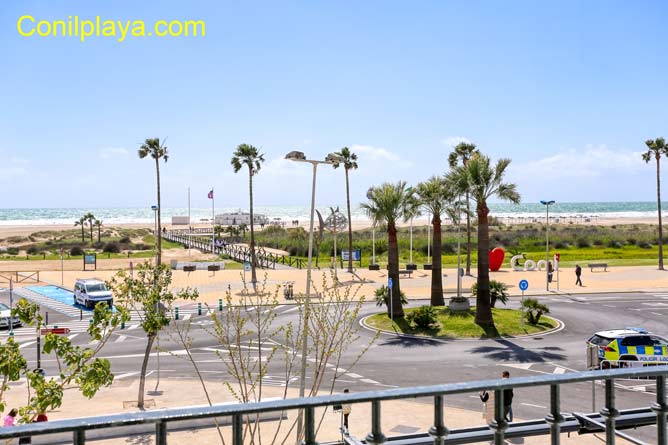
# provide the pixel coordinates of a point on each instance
(60, 216)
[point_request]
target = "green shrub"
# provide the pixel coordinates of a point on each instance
(598, 242)
(13, 250)
(615, 244)
(382, 293)
(112, 247)
(32, 250)
(423, 317)
(644, 245)
(534, 310)
(631, 241)
(76, 251)
(124, 240)
(583, 243)
(561, 245)
(497, 291)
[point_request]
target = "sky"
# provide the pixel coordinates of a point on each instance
(569, 90)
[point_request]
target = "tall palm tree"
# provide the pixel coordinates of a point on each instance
(463, 152)
(82, 223)
(349, 161)
(250, 157)
(388, 203)
(90, 219)
(98, 224)
(656, 148)
(434, 195)
(484, 181)
(156, 150)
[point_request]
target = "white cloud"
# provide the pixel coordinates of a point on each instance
(19, 161)
(12, 172)
(592, 161)
(112, 152)
(453, 141)
(374, 153)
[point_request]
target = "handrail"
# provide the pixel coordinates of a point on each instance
(499, 425)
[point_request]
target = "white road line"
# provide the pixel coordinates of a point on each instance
(187, 316)
(369, 381)
(290, 310)
(121, 338)
(533, 406)
(70, 337)
(558, 370)
(656, 313)
(354, 376)
(608, 305)
(524, 366)
(134, 326)
(23, 345)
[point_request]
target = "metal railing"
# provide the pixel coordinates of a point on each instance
(439, 433)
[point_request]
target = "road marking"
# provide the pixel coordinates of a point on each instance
(121, 338)
(187, 316)
(656, 313)
(71, 337)
(290, 310)
(127, 374)
(354, 376)
(524, 366)
(134, 326)
(533, 406)
(558, 370)
(373, 382)
(23, 345)
(608, 305)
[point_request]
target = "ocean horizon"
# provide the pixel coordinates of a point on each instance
(138, 215)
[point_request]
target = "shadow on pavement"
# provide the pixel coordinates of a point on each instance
(510, 351)
(409, 342)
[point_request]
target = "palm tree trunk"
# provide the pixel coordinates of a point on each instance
(159, 234)
(142, 375)
(393, 271)
(252, 231)
(483, 313)
(350, 227)
(658, 199)
(91, 230)
(468, 235)
(98, 233)
(83, 234)
(436, 267)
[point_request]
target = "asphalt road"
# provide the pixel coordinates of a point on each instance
(403, 362)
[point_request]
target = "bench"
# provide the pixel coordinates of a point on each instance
(593, 266)
(406, 272)
(189, 268)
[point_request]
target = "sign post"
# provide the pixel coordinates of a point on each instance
(62, 279)
(247, 268)
(389, 299)
(11, 307)
(524, 285)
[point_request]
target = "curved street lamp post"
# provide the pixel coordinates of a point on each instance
(547, 205)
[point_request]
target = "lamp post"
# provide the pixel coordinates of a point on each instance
(331, 159)
(547, 205)
(459, 257)
(157, 303)
(155, 230)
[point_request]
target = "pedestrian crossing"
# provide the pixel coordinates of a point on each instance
(44, 301)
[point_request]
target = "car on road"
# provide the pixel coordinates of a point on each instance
(88, 292)
(626, 347)
(6, 315)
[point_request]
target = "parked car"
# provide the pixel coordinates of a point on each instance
(89, 292)
(6, 315)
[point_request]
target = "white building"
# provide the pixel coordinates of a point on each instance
(239, 217)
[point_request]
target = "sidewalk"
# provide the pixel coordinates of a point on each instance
(398, 417)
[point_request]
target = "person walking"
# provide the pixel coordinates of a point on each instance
(507, 399)
(10, 419)
(578, 273)
(27, 440)
(346, 408)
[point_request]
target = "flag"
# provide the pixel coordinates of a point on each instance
(210, 195)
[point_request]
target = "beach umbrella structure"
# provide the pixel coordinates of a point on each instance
(336, 222)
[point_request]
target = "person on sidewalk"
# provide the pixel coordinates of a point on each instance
(346, 410)
(507, 399)
(10, 419)
(578, 273)
(41, 417)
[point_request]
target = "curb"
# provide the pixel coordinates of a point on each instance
(560, 326)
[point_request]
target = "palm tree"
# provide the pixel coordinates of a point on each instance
(249, 156)
(463, 152)
(82, 223)
(90, 219)
(243, 227)
(484, 181)
(434, 195)
(98, 224)
(388, 203)
(349, 161)
(656, 148)
(156, 150)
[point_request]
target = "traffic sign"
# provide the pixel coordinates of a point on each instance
(45, 331)
(247, 267)
(389, 283)
(556, 257)
(524, 285)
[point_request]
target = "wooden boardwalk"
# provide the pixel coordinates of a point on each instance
(201, 239)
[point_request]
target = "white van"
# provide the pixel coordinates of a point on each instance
(89, 292)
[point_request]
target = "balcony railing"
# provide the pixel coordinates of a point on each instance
(439, 434)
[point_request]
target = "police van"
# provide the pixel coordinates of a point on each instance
(89, 292)
(625, 348)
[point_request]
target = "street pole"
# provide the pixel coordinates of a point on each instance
(373, 244)
(547, 247)
(336, 259)
(411, 248)
(522, 305)
(213, 223)
(459, 258)
(189, 222)
(11, 307)
(428, 238)
(62, 268)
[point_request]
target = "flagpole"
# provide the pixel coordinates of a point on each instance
(213, 222)
(189, 222)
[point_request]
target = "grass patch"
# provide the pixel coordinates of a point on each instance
(461, 324)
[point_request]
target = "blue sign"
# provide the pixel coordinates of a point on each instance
(357, 255)
(524, 285)
(389, 283)
(247, 267)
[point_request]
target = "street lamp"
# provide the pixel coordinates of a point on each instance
(547, 205)
(331, 159)
(157, 304)
(155, 230)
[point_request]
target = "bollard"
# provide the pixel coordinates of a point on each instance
(47, 318)
(220, 304)
(123, 324)
(89, 321)
(176, 313)
(80, 314)
(199, 308)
